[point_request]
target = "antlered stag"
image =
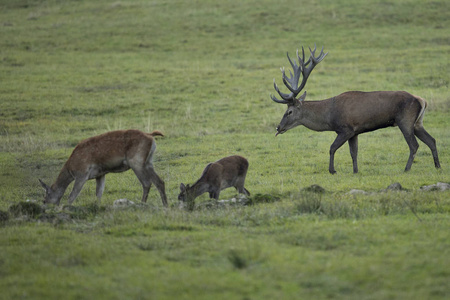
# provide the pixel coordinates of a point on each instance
(227, 172)
(111, 152)
(352, 113)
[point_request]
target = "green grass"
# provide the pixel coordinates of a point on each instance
(202, 72)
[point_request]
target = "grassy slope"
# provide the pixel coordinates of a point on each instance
(202, 73)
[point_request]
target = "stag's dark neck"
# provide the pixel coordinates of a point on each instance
(316, 114)
(62, 181)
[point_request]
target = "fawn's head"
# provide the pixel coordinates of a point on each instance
(186, 193)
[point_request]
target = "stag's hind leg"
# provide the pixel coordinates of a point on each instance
(408, 133)
(425, 137)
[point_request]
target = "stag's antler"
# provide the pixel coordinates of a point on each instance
(292, 82)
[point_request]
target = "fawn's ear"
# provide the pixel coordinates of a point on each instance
(46, 187)
(182, 187)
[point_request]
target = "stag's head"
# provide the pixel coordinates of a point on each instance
(292, 116)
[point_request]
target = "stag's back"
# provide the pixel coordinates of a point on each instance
(367, 111)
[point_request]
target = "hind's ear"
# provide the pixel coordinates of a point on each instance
(182, 187)
(46, 187)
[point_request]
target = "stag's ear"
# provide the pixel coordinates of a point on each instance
(182, 187)
(300, 99)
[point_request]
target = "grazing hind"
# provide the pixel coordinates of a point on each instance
(111, 152)
(227, 172)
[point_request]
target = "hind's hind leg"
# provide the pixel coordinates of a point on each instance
(159, 183)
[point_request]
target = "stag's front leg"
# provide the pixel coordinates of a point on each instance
(338, 142)
(353, 144)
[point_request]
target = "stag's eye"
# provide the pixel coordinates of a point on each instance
(289, 112)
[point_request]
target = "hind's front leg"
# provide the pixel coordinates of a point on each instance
(77, 186)
(100, 187)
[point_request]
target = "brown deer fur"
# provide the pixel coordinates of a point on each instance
(224, 173)
(111, 152)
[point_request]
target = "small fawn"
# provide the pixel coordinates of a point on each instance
(227, 172)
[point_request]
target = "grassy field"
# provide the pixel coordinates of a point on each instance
(202, 72)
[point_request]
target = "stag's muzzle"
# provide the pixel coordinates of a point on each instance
(279, 131)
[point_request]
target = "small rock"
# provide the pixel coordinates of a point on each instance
(121, 203)
(394, 187)
(440, 186)
(225, 201)
(443, 186)
(240, 199)
(357, 192)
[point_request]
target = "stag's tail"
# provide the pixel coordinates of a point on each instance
(423, 104)
(155, 133)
